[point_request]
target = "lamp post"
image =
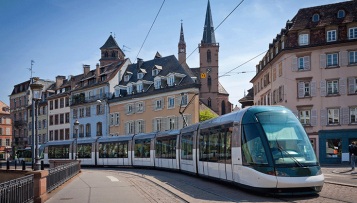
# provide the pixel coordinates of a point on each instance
(76, 127)
(36, 89)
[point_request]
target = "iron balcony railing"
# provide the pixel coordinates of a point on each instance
(87, 134)
(99, 133)
(59, 175)
(18, 123)
(18, 190)
(81, 99)
(81, 134)
(74, 135)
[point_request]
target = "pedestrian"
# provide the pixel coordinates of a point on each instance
(353, 150)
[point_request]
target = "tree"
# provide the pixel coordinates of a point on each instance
(206, 115)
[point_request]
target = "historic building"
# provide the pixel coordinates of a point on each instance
(150, 97)
(89, 98)
(311, 69)
(212, 93)
(247, 100)
(5, 131)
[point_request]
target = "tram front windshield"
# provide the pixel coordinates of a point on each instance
(287, 139)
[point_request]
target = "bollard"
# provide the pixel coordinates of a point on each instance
(15, 164)
(7, 165)
(42, 166)
(23, 165)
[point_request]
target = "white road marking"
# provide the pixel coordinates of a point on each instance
(113, 179)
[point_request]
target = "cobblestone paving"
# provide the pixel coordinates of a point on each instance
(194, 189)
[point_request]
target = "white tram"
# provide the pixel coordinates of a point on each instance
(263, 148)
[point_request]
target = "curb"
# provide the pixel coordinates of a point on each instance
(343, 184)
(335, 171)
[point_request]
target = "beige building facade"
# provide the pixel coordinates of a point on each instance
(313, 72)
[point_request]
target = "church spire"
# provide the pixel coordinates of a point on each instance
(208, 32)
(182, 37)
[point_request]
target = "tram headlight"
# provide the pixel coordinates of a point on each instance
(318, 188)
(281, 174)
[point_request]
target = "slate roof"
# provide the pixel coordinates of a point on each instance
(23, 89)
(110, 43)
(157, 55)
(182, 37)
(221, 89)
(208, 33)
(248, 97)
(327, 13)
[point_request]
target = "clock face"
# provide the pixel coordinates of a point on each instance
(182, 50)
(209, 70)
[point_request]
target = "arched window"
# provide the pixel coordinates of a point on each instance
(223, 109)
(315, 17)
(113, 54)
(106, 54)
(208, 56)
(209, 81)
(209, 102)
(341, 14)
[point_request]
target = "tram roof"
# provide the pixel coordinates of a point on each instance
(190, 128)
(65, 142)
(168, 133)
(115, 138)
(144, 136)
(88, 140)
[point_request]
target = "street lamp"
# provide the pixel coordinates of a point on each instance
(36, 88)
(76, 127)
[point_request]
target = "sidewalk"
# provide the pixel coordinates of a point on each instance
(339, 174)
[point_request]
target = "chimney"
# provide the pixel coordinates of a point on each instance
(86, 69)
(97, 72)
(139, 63)
(59, 80)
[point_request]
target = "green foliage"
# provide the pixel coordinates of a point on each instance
(206, 115)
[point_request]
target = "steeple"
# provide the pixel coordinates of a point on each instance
(182, 37)
(110, 52)
(208, 30)
(110, 43)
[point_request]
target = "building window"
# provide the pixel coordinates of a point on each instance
(331, 35)
(140, 126)
(61, 118)
(208, 56)
(333, 116)
(276, 52)
(117, 93)
(172, 123)
(332, 60)
(100, 109)
(140, 88)
(281, 93)
(56, 119)
(341, 14)
(282, 45)
(333, 148)
(75, 111)
(280, 69)
(307, 89)
(67, 101)
(353, 115)
(130, 109)
(353, 33)
(157, 84)
(88, 111)
(305, 117)
(140, 107)
(315, 18)
(353, 57)
(303, 39)
(171, 102)
(126, 78)
(158, 104)
(81, 113)
(7, 142)
(61, 103)
(51, 105)
(111, 119)
(56, 134)
(99, 129)
(117, 119)
(67, 117)
(130, 127)
(140, 75)
(51, 135)
(171, 80)
(44, 124)
(56, 104)
(113, 54)
(88, 130)
(332, 87)
(209, 81)
(51, 120)
(301, 63)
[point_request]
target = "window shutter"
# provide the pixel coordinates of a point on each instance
(189, 119)
(351, 85)
(143, 126)
(342, 86)
(176, 122)
(282, 93)
(125, 128)
(134, 108)
(323, 88)
(136, 127)
(143, 106)
(180, 122)
(153, 125)
(301, 89)
(322, 60)
(126, 109)
(313, 89)
(296, 113)
(313, 117)
(162, 103)
(153, 104)
(345, 115)
(306, 62)
(294, 64)
(343, 58)
(163, 124)
(274, 74)
(277, 95)
(178, 100)
(323, 117)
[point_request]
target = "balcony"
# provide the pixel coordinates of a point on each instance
(18, 123)
(81, 99)
(74, 135)
(99, 133)
(88, 134)
(81, 134)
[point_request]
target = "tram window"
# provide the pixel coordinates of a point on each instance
(204, 153)
(173, 147)
(213, 146)
(58, 152)
(138, 148)
(186, 146)
(113, 150)
(252, 146)
(229, 145)
(146, 148)
(84, 150)
(221, 144)
(166, 147)
(142, 148)
(158, 149)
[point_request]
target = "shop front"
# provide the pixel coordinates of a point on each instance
(334, 145)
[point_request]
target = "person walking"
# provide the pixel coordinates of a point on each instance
(353, 151)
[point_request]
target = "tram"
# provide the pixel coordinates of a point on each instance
(26, 154)
(261, 148)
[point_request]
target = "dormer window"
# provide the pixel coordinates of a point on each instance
(341, 14)
(126, 78)
(155, 72)
(58, 91)
(264, 62)
(282, 45)
(315, 18)
(63, 89)
(331, 35)
(157, 84)
(140, 88)
(140, 75)
(130, 89)
(276, 50)
(171, 80)
(303, 39)
(271, 55)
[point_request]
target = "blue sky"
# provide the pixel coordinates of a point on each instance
(61, 35)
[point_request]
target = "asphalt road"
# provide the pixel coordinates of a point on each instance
(145, 185)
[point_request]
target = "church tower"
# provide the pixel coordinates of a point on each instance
(182, 49)
(110, 52)
(212, 92)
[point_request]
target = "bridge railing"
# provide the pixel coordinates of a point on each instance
(17, 190)
(60, 174)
